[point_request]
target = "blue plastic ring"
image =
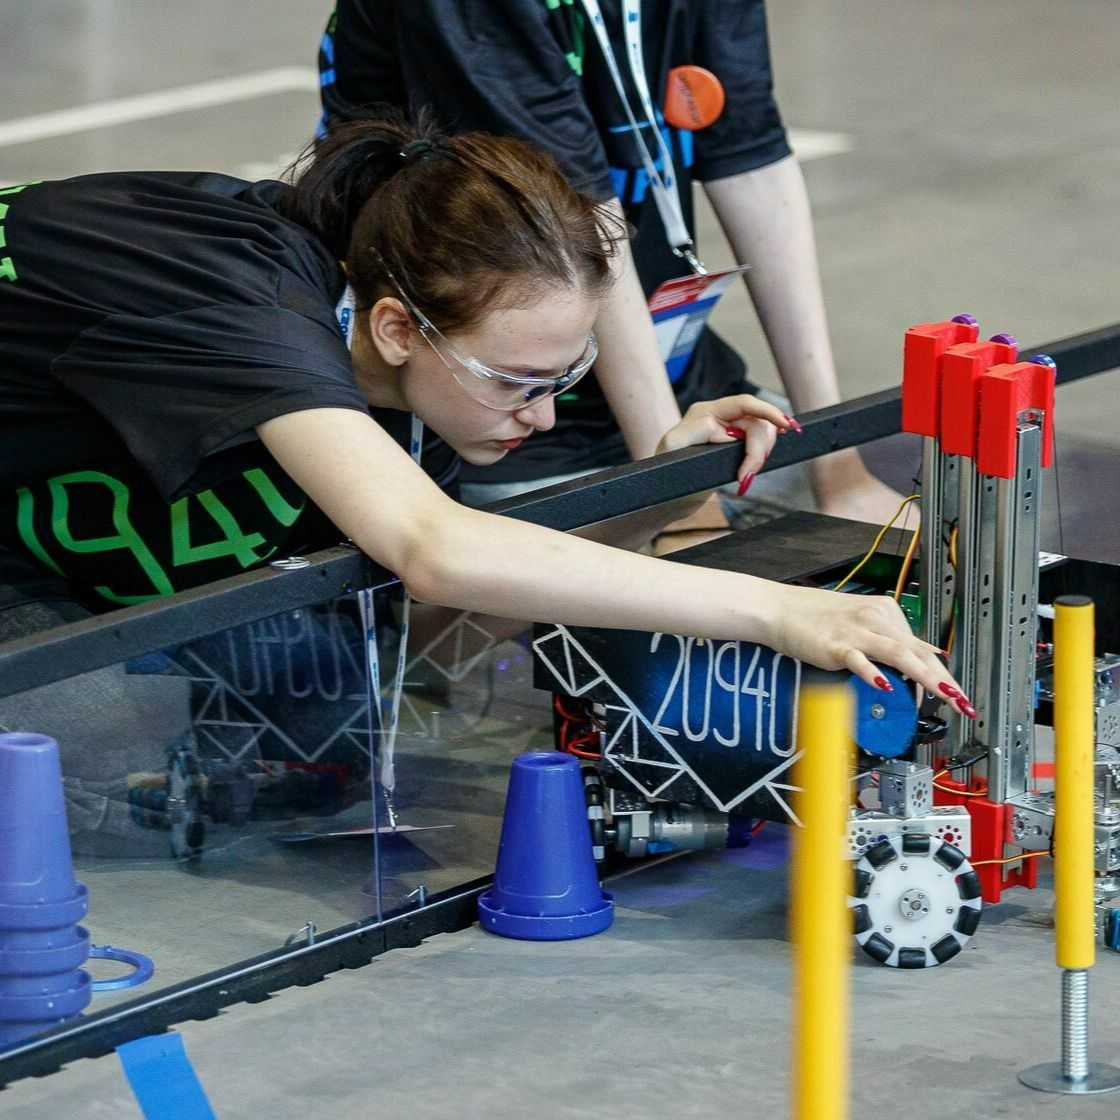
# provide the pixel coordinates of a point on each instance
(143, 968)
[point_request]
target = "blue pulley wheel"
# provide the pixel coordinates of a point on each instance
(886, 722)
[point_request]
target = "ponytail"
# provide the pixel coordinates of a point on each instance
(467, 222)
(345, 170)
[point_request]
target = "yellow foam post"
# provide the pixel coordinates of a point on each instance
(1073, 782)
(820, 922)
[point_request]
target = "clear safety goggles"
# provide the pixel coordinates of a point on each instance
(504, 392)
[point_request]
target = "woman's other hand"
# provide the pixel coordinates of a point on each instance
(742, 417)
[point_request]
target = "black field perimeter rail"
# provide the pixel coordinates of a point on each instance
(130, 632)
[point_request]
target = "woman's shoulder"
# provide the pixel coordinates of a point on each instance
(175, 239)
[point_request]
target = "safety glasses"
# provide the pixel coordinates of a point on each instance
(496, 389)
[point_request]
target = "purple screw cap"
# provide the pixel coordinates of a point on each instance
(968, 320)
(1005, 339)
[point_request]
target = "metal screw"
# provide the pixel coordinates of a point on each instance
(290, 563)
(307, 931)
(1075, 1024)
(419, 896)
(878, 711)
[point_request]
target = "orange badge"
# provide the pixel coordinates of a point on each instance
(693, 97)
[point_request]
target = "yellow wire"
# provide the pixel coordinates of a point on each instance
(878, 539)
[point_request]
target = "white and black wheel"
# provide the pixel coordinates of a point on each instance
(916, 902)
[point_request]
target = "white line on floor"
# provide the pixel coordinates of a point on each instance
(809, 144)
(265, 168)
(145, 106)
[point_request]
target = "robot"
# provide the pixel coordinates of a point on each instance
(689, 743)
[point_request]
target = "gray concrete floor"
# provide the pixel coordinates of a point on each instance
(981, 174)
(679, 1009)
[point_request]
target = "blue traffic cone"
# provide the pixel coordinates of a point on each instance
(42, 946)
(545, 886)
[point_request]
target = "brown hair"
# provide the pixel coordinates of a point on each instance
(466, 222)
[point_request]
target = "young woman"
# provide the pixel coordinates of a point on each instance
(178, 400)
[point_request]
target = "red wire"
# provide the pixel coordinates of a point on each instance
(571, 743)
(584, 754)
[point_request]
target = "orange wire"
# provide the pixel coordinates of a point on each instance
(949, 789)
(1013, 859)
(907, 560)
(953, 562)
(958, 792)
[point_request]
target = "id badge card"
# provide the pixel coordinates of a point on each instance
(680, 308)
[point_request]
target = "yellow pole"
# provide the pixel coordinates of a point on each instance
(819, 920)
(1073, 852)
(1073, 781)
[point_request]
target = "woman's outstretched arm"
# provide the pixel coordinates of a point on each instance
(451, 555)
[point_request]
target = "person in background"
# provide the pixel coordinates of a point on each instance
(534, 69)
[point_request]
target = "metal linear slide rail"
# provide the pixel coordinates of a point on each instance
(80, 647)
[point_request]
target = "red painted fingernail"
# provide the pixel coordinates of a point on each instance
(951, 692)
(884, 684)
(745, 485)
(966, 709)
(736, 433)
(791, 422)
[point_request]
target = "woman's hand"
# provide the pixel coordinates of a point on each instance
(836, 631)
(741, 417)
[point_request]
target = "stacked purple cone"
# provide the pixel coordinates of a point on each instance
(42, 946)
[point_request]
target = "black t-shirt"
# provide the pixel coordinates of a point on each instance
(533, 69)
(150, 322)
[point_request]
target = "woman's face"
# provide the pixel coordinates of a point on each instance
(539, 340)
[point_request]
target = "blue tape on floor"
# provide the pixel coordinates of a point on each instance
(163, 1079)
